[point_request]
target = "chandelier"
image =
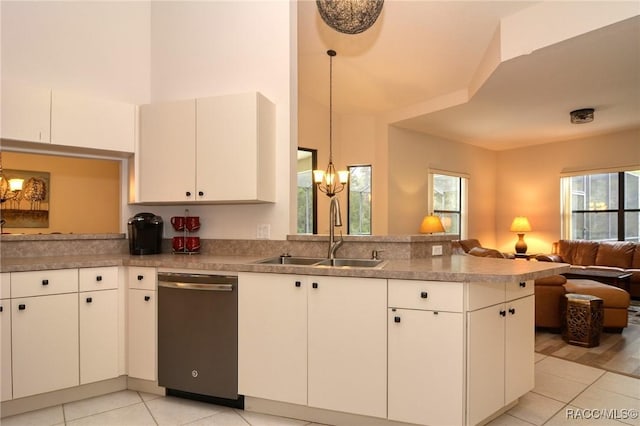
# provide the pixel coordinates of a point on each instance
(349, 16)
(330, 182)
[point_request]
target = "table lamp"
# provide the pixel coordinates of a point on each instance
(430, 224)
(520, 225)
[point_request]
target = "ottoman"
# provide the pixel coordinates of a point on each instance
(582, 319)
(616, 301)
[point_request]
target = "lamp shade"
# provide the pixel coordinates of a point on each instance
(520, 224)
(431, 224)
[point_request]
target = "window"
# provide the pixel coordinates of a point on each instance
(601, 206)
(307, 204)
(448, 200)
(359, 200)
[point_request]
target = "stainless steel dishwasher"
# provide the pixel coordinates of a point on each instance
(198, 337)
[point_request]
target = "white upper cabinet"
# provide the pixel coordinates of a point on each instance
(88, 122)
(236, 148)
(212, 150)
(26, 113)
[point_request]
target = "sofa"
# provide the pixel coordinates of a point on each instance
(473, 247)
(622, 256)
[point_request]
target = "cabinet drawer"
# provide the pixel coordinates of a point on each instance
(142, 278)
(98, 278)
(5, 285)
(40, 283)
(519, 289)
(426, 295)
(483, 294)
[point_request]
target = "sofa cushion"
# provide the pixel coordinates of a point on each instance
(578, 252)
(618, 254)
(612, 296)
(553, 280)
(635, 262)
(485, 252)
(467, 245)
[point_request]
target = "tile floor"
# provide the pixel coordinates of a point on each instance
(562, 388)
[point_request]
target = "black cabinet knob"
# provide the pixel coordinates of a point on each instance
(22, 307)
(1, 308)
(45, 282)
(314, 285)
(298, 283)
(201, 193)
(512, 311)
(503, 313)
(396, 319)
(147, 298)
(424, 294)
(99, 278)
(89, 300)
(140, 277)
(188, 194)
(523, 284)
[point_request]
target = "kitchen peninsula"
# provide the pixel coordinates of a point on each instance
(418, 339)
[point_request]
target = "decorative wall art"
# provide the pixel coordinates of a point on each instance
(27, 207)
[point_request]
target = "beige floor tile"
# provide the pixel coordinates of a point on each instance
(45, 417)
(132, 415)
(178, 411)
(507, 420)
(100, 404)
(572, 416)
(258, 419)
(569, 370)
(539, 357)
(535, 408)
(619, 407)
(225, 418)
(618, 383)
(149, 396)
(556, 387)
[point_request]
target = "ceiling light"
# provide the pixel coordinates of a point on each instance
(580, 116)
(349, 16)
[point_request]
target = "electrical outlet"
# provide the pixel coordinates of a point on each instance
(264, 231)
(436, 250)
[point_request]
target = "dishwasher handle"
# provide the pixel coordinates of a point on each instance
(196, 286)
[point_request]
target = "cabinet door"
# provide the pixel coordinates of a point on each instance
(45, 343)
(5, 354)
(166, 156)
(347, 363)
(426, 364)
(520, 347)
(485, 362)
(98, 335)
(142, 347)
(88, 122)
(272, 337)
(26, 113)
(236, 148)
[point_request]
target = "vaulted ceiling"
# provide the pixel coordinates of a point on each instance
(421, 67)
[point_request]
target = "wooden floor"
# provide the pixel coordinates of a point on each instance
(618, 353)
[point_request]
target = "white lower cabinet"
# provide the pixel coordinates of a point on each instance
(500, 355)
(316, 341)
(98, 316)
(426, 352)
(44, 343)
(142, 323)
(5, 337)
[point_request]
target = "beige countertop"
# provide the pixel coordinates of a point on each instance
(448, 268)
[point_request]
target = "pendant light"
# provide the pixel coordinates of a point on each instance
(330, 182)
(349, 16)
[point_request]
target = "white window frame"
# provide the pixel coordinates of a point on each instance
(464, 196)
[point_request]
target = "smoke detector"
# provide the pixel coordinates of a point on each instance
(580, 116)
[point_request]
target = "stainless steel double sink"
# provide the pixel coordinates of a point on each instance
(323, 262)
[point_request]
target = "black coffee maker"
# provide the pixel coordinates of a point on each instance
(145, 234)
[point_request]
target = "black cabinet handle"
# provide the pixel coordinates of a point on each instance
(89, 300)
(1, 308)
(201, 193)
(140, 277)
(314, 285)
(523, 284)
(99, 278)
(424, 294)
(22, 307)
(147, 298)
(396, 319)
(188, 193)
(45, 282)
(512, 311)
(298, 283)
(503, 313)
